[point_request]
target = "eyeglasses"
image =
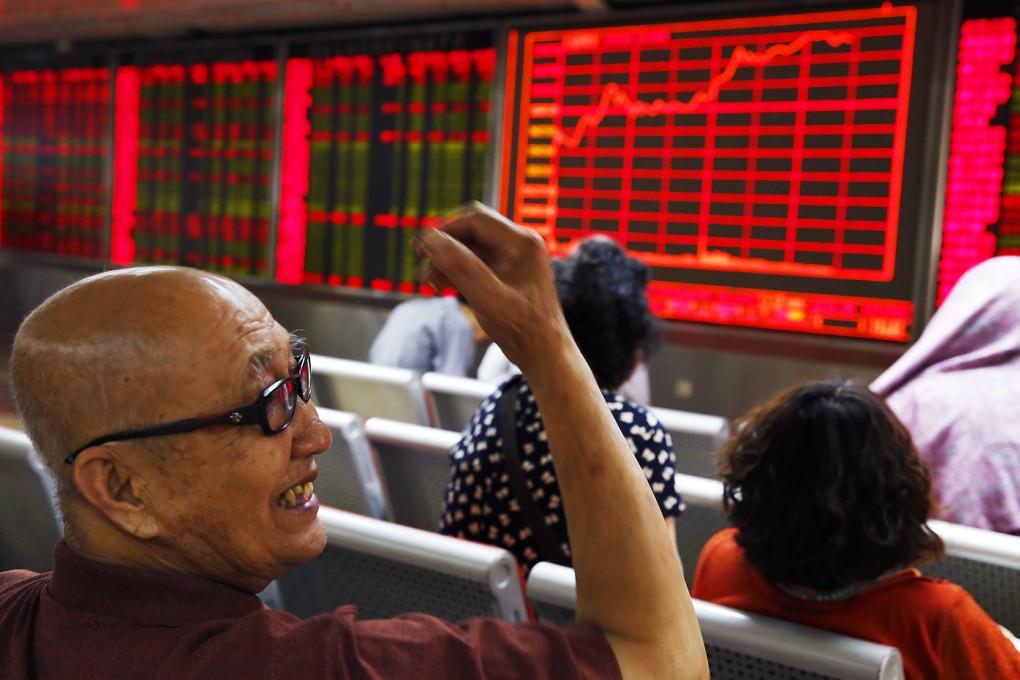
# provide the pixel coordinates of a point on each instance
(273, 410)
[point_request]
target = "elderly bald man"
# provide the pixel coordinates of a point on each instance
(173, 411)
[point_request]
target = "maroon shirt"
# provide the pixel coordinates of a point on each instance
(89, 619)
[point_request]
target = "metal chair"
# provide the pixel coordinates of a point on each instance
(742, 645)
(415, 469)
(696, 437)
(387, 570)
(348, 477)
(455, 399)
(369, 390)
(986, 564)
(702, 518)
(29, 523)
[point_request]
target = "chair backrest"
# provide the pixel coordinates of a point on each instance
(348, 477)
(455, 399)
(742, 645)
(415, 469)
(387, 570)
(701, 519)
(986, 564)
(29, 523)
(695, 437)
(369, 390)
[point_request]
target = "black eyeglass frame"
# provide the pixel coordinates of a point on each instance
(253, 414)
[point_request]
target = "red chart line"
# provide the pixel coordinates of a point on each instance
(613, 94)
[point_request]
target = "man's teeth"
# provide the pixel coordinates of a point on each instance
(295, 495)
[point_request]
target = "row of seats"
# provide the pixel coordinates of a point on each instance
(384, 468)
(448, 402)
(739, 644)
(386, 569)
(412, 464)
(413, 469)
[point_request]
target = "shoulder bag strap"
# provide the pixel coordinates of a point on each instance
(548, 547)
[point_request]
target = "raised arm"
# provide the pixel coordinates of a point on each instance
(629, 579)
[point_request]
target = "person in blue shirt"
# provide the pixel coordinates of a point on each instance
(429, 334)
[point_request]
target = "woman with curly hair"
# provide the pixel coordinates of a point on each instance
(829, 500)
(503, 488)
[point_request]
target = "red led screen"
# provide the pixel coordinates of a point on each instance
(757, 164)
(379, 137)
(193, 161)
(53, 149)
(982, 209)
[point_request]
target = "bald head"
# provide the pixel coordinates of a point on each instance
(106, 353)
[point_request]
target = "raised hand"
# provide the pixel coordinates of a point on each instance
(504, 272)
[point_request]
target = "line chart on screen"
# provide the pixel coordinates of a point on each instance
(768, 144)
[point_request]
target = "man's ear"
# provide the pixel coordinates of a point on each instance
(112, 486)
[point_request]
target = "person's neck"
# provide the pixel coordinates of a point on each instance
(103, 544)
(99, 541)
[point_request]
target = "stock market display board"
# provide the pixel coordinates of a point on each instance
(982, 210)
(195, 140)
(380, 136)
(757, 164)
(775, 171)
(54, 142)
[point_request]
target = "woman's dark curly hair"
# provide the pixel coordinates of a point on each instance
(826, 488)
(602, 292)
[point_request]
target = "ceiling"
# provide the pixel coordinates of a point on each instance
(65, 23)
(69, 21)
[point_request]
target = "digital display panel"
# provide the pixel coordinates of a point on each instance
(763, 166)
(982, 209)
(54, 142)
(193, 161)
(380, 136)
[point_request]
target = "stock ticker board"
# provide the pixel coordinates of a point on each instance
(374, 139)
(194, 144)
(380, 137)
(54, 143)
(982, 209)
(755, 163)
(770, 169)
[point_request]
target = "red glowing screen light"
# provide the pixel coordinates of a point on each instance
(982, 209)
(755, 163)
(52, 157)
(1, 157)
(125, 166)
(194, 154)
(376, 144)
(290, 244)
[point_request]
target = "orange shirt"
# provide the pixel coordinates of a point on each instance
(937, 626)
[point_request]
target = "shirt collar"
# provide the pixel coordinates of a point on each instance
(145, 596)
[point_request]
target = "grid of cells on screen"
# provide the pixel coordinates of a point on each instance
(194, 145)
(757, 164)
(54, 141)
(380, 137)
(377, 138)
